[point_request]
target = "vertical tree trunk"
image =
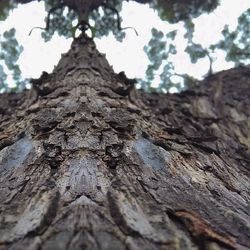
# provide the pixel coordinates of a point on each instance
(88, 163)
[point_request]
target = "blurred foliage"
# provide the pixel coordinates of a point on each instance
(5, 7)
(158, 55)
(160, 50)
(60, 21)
(10, 51)
(104, 21)
(174, 11)
(236, 43)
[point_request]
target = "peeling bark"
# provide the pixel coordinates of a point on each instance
(87, 162)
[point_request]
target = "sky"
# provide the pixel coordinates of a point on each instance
(127, 56)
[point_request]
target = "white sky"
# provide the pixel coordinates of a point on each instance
(127, 56)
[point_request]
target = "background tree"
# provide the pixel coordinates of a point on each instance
(104, 18)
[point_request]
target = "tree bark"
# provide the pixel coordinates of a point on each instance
(87, 162)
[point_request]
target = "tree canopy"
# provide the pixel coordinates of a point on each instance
(101, 17)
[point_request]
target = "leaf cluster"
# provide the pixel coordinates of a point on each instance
(160, 50)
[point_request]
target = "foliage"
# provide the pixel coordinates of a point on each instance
(5, 7)
(174, 11)
(9, 53)
(157, 56)
(61, 20)
(106, 21)
(161, 49)
(235, 43)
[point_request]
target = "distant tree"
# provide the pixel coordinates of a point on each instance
(67, 16)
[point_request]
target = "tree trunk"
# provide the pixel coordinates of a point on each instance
(87, 162)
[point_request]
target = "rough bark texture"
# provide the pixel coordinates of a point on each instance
(88, 163)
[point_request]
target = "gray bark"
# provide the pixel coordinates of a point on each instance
(87, 162)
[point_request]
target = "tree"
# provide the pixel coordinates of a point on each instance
(89, 162)
(86, 164)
